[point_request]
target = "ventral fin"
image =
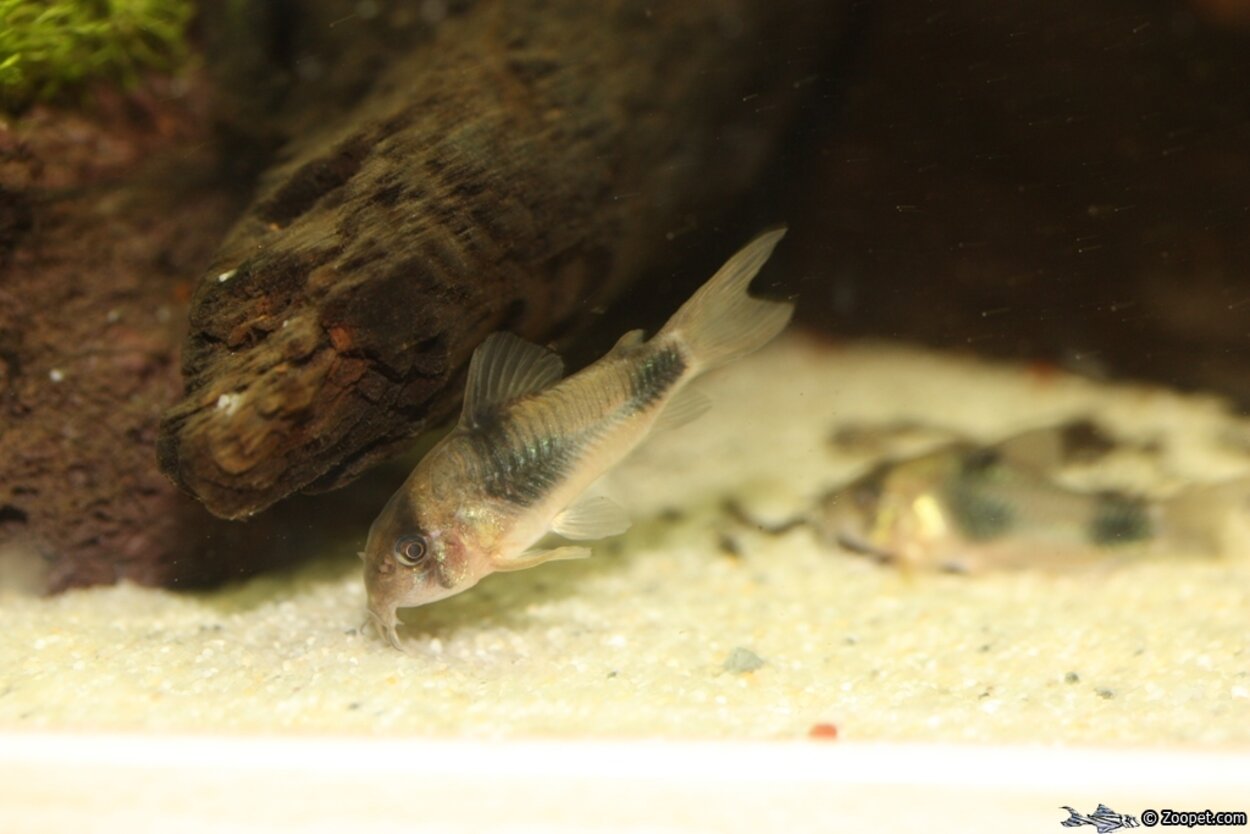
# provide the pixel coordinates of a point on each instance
(532, 558)
(503, 368)
(591, 517)
(688, 405)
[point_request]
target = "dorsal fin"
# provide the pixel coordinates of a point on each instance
(1040, 450)
(1051, 447)
(503, 368)
(632, 338)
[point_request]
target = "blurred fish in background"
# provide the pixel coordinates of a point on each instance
(966, 508)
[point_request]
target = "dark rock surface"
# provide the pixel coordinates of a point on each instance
(94, 244)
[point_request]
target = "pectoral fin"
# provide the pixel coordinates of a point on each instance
(591, 517)
(532, 558)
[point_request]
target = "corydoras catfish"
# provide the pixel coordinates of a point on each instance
(529, 445)
(969, 508)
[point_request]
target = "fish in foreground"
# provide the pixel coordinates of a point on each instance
(967, 508)
(521, 462)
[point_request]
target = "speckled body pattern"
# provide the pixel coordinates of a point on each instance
(529, 446)
(510, 474)
(966, 508)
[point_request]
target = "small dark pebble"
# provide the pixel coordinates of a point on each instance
(742, 660)
(1108, 694)
(613, 673)
(354, 705)
(1071, 677)
(729, 546)
(670, 515)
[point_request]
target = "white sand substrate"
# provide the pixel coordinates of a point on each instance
(655, 636)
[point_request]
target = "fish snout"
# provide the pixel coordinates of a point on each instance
(848, 522)
(385, 620)
(382, 601)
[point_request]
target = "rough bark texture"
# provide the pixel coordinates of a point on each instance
(521, 169)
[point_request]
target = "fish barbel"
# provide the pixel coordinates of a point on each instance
(968, 508)
(529, 445)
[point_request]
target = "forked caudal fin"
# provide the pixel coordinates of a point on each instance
(721, 321)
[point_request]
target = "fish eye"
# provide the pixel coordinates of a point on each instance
(410, 549)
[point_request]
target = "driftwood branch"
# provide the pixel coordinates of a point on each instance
(522, 168)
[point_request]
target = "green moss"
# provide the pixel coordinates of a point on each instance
(50, 47)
